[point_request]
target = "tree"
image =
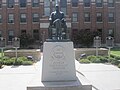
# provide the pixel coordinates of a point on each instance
(84, 38)
(26, 40)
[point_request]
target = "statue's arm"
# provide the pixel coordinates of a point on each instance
(50, 19)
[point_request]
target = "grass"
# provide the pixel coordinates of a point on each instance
(115, 51)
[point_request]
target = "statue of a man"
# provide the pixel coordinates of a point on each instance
(57, 15)
(57, 20)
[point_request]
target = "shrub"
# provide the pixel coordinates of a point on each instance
(22, 58)
(115, 62)
(102, 59)
(93, 59)
(5, 58)
(117, 57)
(10, 61)
(111, 55)
(85, 61)
(0, 64)
(27, 63)
(110, 59)
(119, 65)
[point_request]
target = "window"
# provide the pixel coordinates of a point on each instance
(111, 32)
(46, 7)
(22, 3)
(10, 3)
(111, 17)
(10, 18)
(87, 16)
(23, 31)
(87, 3)
(36, 34)
(0, 3)
(74, 3)
(35, 3)
(99, 3)
(35, 17)
(0, 18)
(99, 17)
(10, 35)
(63, 6)
(53, 5)
(23, 18)
(75, 17)
(110, 3)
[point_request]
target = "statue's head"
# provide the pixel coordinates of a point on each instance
(57, 7)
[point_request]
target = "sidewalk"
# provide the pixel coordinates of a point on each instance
(102, 77)
(16, 77)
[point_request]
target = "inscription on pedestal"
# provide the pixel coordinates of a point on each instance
(58, 62)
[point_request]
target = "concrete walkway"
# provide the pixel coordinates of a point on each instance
(17, 77)
(102, 77)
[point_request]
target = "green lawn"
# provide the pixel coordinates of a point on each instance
(115, 51)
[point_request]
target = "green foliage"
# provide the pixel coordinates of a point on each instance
(84, 37)
(119, 65)
(13, 61)
(103, 59)
(25, 40)
(10, 61)
(84, 61)
(22, 58)
(92, 57)
(99, 59)
(27, 63)
(0, 64)
(115, 62)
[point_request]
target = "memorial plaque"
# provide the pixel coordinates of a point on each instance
(58, 62)
(2, 42)
(97, 41)
(16, 42)
(109, 42)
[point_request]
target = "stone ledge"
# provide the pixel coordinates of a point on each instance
(32, 52)
(90, 51)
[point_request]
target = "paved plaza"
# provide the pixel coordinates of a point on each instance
(102, 77)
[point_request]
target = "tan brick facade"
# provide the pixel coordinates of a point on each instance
(43, 23)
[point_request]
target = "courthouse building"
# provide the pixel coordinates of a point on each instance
(31, 17)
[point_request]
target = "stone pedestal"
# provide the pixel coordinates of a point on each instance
(58, 62)
(57, 69)
(37, 84)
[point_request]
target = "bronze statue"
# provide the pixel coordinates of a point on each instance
(58, 23)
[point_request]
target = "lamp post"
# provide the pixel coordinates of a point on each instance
(2, 44)
(97, 43)
(109, 43)
(16, 45)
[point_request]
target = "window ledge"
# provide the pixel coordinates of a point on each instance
(87, 22)
(10, 8)
(23, 23)
(111, 7)
(35, 7)
(75, 22)
(11, 23)
(35, 22)
(99, 22)
(99, 7)
(111, 22)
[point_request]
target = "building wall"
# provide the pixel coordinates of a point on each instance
(43, 23)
